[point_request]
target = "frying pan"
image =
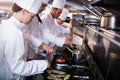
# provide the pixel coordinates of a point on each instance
(63, 66)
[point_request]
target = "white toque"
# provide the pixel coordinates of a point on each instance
(59, 4)
(32, 6)
(64, 14)
(45, 1)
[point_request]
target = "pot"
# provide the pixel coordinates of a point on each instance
(109, 22)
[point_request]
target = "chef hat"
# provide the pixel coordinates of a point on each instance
(64, 14)
(58, 4)
(45, 1)
(30, 5)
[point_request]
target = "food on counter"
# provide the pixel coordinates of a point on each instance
(67, 77)
(59, 72)
(57, 75)
(56, 72)
(49, 71)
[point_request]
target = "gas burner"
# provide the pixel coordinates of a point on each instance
(77, 77)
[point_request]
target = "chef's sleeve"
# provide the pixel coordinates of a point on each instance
(59, 41)
(65, 30)
(34, 42)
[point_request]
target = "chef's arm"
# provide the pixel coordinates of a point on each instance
(71, 27)
(36, 43)
(47, 48)
(65, 30)
(68, 40)
(68, 29)
(16, 58)
(59, 41)
(28, 68)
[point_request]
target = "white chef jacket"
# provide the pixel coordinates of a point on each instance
(13, 63)
(32, 40)
(60, 30)
(47, 28)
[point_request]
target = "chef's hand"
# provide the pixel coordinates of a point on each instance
(48, 63)
(68, 40)
(47, 48)
(71, 28)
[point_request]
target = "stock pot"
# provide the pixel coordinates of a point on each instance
(109, 22)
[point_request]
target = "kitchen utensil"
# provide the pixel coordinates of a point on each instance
(77, 55)
(109, 22)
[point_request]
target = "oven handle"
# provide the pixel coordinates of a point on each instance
(110, 32)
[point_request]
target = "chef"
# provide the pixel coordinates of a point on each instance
(58, 28)
(33, 30)
(13, 64)
(48, 22)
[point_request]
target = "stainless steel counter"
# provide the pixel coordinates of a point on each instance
(104, 46)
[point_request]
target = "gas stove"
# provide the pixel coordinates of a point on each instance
(77, 69)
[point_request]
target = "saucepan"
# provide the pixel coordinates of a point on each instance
(109, 22)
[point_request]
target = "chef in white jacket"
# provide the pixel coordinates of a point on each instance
(33, 35)
(33, 29)
(58, 28)
(13, 64)
(48, 22)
